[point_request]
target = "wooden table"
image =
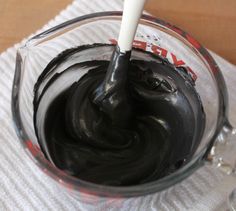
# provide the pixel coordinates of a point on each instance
(212, 22)
(20, 18)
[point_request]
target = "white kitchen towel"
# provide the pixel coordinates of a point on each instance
(24, 187)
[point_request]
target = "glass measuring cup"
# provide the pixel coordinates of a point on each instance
(153, 35)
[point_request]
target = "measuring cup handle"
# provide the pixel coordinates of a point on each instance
(223, 153)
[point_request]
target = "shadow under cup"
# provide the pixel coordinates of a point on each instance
(153, 35)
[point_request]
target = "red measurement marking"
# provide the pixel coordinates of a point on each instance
(139, 44)
(159, 51)
(164, 52)
(176, 61)
(194, 42)
(31, 147)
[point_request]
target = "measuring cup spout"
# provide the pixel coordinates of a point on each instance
(223, 153)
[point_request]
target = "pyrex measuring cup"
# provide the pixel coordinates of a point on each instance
(153, 35)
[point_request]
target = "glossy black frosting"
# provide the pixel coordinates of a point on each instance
(123, 122)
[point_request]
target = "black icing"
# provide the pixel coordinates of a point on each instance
(122, 123)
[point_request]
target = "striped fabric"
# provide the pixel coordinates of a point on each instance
(24, 187)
